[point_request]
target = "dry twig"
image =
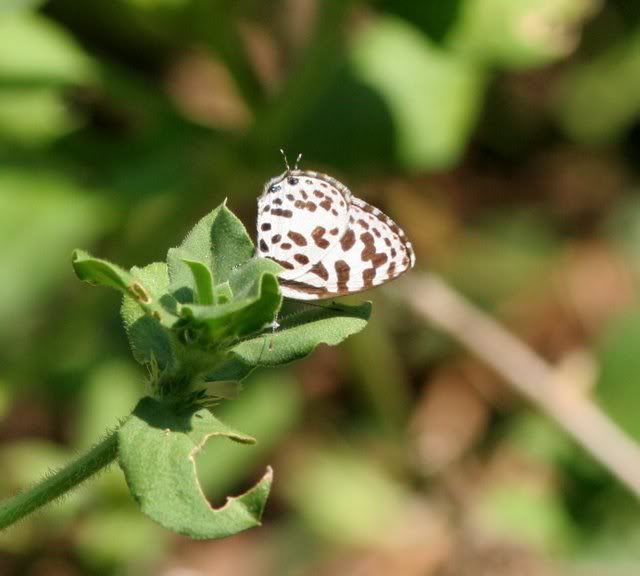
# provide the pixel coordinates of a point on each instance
(529, 374)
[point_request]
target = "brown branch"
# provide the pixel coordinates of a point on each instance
(529, 374)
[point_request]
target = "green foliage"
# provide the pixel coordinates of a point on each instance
(32, 107)
(270, 408)
(329, 494)
(200, 317)
(620, 369)
(433, 95)
(157, 449)
(501, 135)
(47, 51)
(519, 33)
(40, 210)
(300, 331)
(601, 83)
(530, 515)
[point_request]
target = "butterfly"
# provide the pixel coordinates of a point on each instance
(329, 242)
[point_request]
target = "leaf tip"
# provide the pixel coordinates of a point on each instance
(79, 254)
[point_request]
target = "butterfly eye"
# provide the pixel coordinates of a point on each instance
(292, 181)
(274, 188)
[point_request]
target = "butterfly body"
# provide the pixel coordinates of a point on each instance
(329, 242)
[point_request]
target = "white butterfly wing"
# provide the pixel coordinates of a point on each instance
(301, 216)
(372, 251)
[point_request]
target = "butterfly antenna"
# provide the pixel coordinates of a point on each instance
(286, 162)
(298, 161)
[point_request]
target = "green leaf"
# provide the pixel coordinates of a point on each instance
(619, 363)
(602, 84)
(34, 115)
(149, 340)
(203, 282)
(104, 273)
(18, 5)
(231, 246)
(157, 449)
(234, 369)
(47, 54)
(300, 331)
(220, 241)
(532, 516)
(243, 277)
(41, 209)
(520, 34)
(222, 293)
(101, 272)
(240, 317)
(434, 96)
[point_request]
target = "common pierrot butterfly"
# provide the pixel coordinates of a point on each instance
(329, 242)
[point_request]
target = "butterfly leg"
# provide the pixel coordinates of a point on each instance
(274, 326)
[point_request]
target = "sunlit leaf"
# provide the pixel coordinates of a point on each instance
(34, 115)
(149, 341)
(158, 446)
(434, 96)
(301, 329)
(243, 277)
(203, 282)
(105, 273)
(46, 53)
(602, 84)
(518, 34)
(239, 317)
(220, 241)
(327, 490)
(117, 536)
(528, 514)
(42, 217)
(619, 370)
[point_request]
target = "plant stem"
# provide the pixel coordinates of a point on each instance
(55, 485)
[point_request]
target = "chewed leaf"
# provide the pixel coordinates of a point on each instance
(158, 445)
(297, 335)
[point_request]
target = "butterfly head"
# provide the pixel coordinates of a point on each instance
(287, 178)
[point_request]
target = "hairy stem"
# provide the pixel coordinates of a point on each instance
(55, 485)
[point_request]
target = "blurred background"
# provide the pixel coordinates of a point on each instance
(503, 135)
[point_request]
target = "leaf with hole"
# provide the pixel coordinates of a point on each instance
(158, 446)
